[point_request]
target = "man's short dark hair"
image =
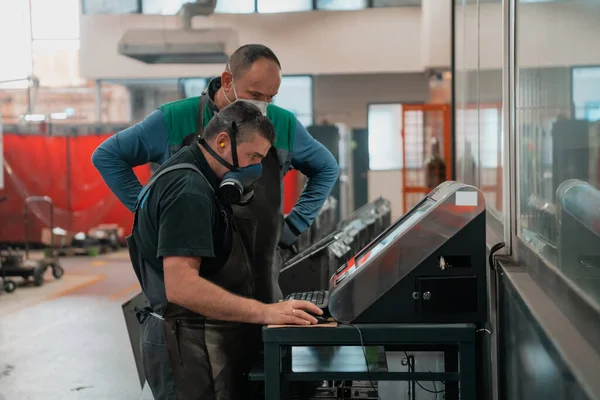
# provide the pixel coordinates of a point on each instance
(243, 58)
(247, 118)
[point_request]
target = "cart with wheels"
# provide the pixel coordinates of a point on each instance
(15, 263)
(7, 284)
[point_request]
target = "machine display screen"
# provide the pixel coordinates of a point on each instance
(395, 231)
(390, 235)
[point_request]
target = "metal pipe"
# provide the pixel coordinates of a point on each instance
(190, 10)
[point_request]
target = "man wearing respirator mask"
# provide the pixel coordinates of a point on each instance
(202, 330)
(253, 73)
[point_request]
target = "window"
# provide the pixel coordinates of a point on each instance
(295, 95)
(396, 3)
(276, 6)
(55, 20)
(56, 62)
(557, 144)
(586, 92)
(193, 87)
(172, 7)
(163, 7)
(235, 6)
(15, 44)
(110, 7)
(341, 4)
(385, 136)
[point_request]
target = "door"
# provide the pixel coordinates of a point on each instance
(360, 157)
(421, 124)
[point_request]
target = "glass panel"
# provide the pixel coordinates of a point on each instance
(396, 3)
(478, 108)
(467, 108)
(57, 19)
(15, 45)
(275, 6)
(557, 137)
(295, 95)
(110, 7)
(235, 6)
(341, 4)
(385, 136)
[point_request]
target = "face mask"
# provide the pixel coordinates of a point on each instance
(237, 186)
(262, 105)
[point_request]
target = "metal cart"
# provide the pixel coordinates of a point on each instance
(8, 284)
(15, 263)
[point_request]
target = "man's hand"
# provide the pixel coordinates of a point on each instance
(290, 312)
(289, 237)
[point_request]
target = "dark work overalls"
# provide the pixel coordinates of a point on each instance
(185, 355)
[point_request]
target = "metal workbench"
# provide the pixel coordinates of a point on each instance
(325, 354)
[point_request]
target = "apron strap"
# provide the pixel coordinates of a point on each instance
(153, 180)
(200, 127)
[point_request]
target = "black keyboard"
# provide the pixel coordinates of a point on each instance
(320, 298)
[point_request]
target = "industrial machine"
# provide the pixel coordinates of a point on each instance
(15, 263)
(429, 266)
(312, 268)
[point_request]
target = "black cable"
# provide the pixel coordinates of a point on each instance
(362, 345)
(435, 391)
(493, 250)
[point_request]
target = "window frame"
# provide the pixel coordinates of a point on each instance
(315, 7)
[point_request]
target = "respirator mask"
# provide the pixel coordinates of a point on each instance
(237, 186)
(262, 105)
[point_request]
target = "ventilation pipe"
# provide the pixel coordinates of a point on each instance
(190, 10)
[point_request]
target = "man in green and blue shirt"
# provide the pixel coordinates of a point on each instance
(253, 73)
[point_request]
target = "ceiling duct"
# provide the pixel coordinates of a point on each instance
(181, 46)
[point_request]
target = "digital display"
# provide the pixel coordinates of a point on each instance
(390, 235)
(395, 231)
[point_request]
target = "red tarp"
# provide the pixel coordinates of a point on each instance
(61, 168)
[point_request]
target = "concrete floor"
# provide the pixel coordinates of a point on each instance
(67, 339)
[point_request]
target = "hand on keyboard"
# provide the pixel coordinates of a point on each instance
(292, 312)
(320, 298)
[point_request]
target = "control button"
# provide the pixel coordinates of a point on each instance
(426, 295)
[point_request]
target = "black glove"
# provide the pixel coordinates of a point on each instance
(289, 237)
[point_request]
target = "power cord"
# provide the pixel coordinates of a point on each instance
(493, 250)
(434, 391)
(363, 347)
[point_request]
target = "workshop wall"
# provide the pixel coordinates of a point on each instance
(305, 42)
(328, 42)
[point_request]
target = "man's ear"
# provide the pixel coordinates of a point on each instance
(221, 141)
(226, 79)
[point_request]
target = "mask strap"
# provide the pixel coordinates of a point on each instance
(217, 157)
(232, 136)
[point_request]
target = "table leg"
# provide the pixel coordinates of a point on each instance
(467, 371)
(451, 365)
(272, 371)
